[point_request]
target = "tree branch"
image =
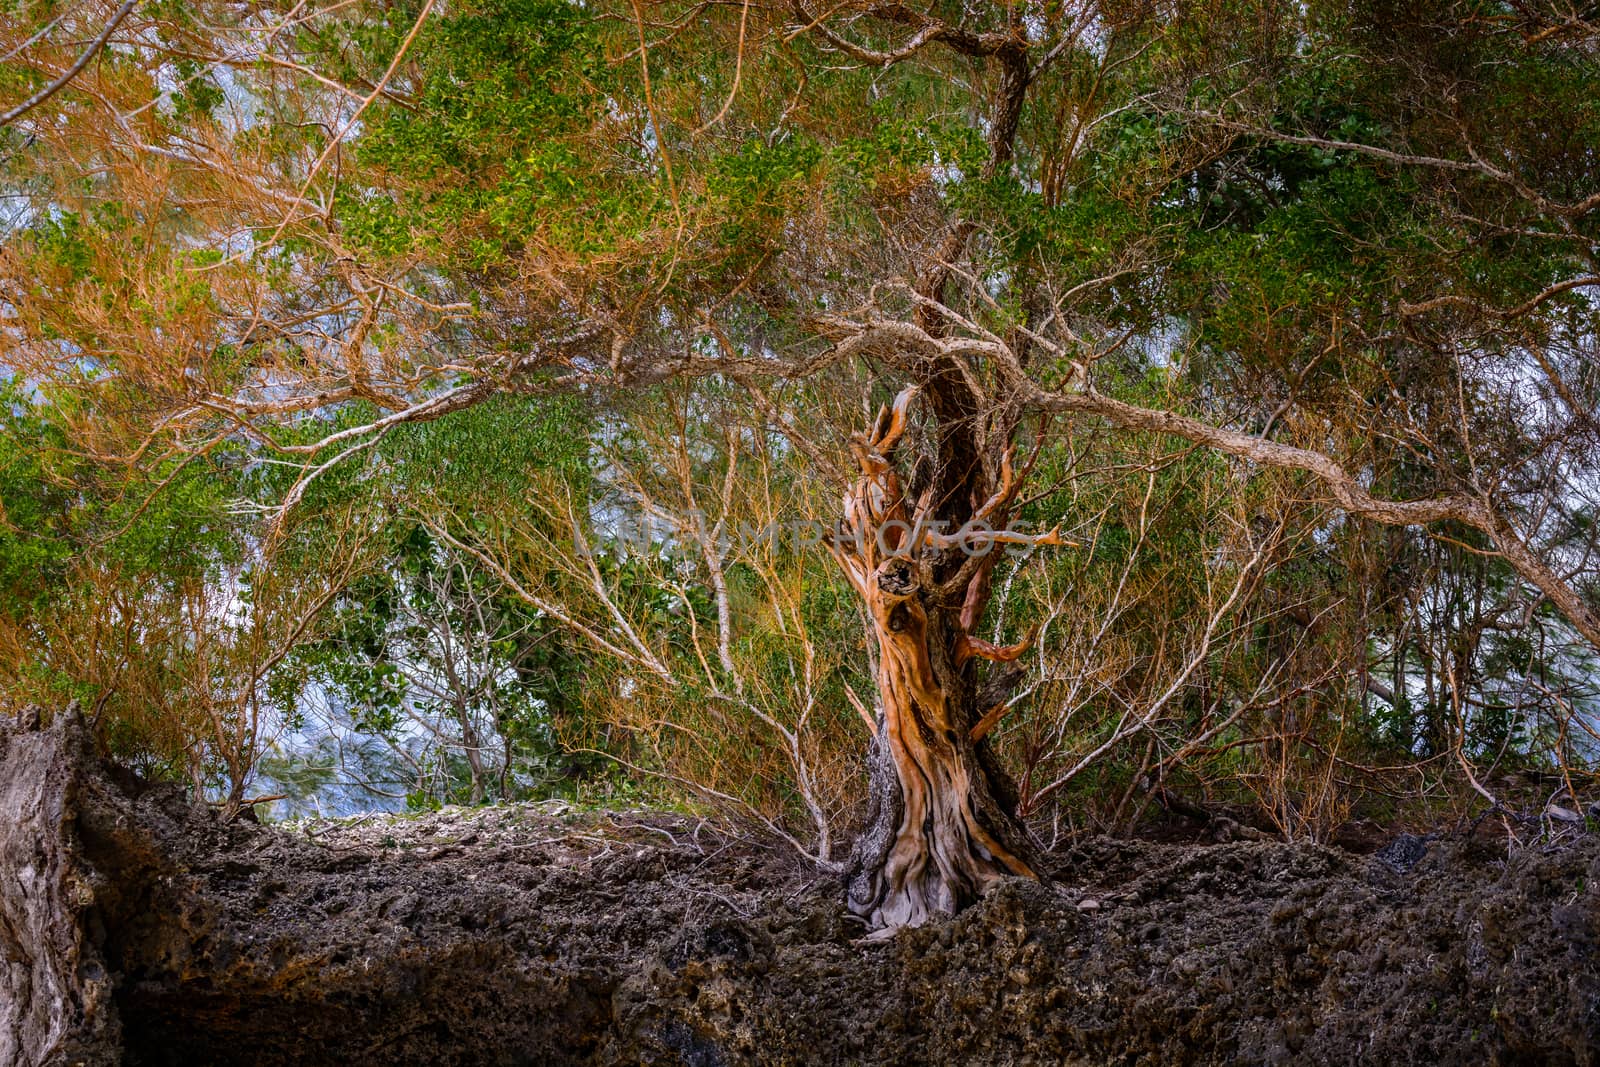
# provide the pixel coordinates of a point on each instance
(73, 71)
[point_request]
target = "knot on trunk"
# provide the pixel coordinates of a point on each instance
(897, 579)
(897, 586)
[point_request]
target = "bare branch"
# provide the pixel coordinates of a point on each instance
(73, 71)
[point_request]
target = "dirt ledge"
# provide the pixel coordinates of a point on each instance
(135, 928)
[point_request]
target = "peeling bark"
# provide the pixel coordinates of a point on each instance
(941, 828)
(939, 838)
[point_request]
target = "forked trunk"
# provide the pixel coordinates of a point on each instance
(940, 824)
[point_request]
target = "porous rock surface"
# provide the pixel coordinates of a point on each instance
(136, 928)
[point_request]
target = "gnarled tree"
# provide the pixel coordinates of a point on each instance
(941, 821)
(1162, 219)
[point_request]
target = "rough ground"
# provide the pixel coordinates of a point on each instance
(537, 936)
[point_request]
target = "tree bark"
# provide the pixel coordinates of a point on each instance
(55, 993)
(939, 833)
(941, 826)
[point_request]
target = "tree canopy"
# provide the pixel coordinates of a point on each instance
(343, 332)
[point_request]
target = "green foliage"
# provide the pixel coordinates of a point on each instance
(1230, 210)
(55, 506)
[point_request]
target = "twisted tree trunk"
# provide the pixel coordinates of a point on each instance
(941, 827)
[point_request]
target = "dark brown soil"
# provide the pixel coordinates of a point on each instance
(535, 935)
